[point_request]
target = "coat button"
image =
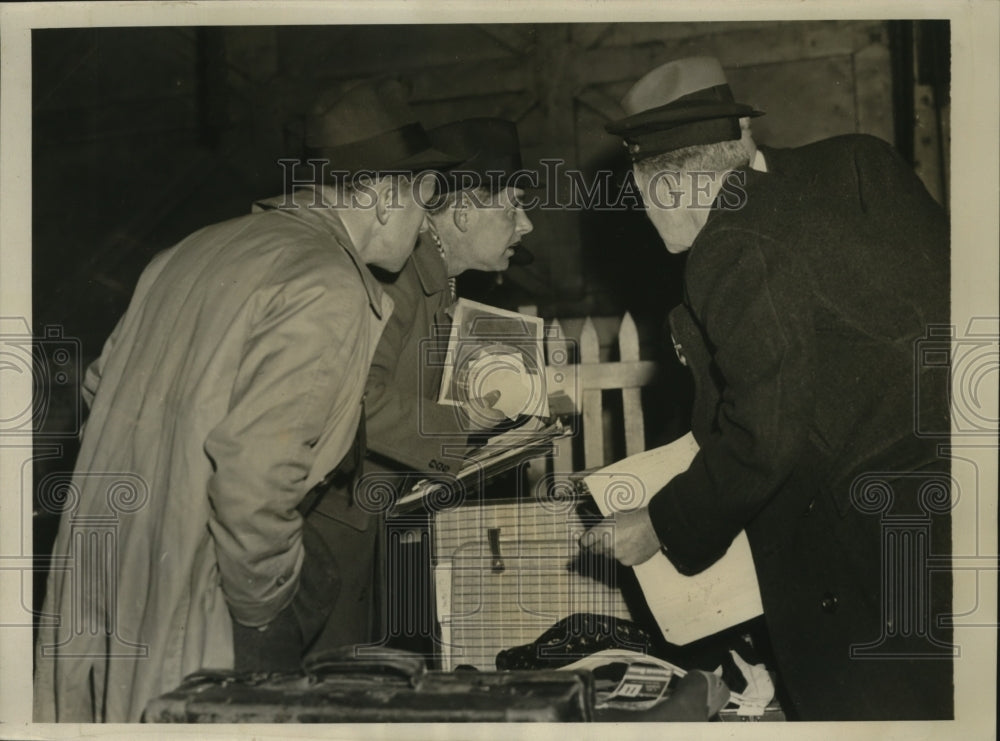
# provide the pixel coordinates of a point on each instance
(281, 580)
(812, 506)
(829, 602)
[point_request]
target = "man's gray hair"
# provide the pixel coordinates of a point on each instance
(718, 157)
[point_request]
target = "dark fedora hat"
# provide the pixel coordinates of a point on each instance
(371, 127)
(489, 152)
(679, 104)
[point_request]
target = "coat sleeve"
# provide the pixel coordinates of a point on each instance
(402, 426)
(291, 390)
(94, 372)
(756, 314)
(92, 377)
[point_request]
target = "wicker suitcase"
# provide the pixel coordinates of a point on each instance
(386, 690)
(502, 578)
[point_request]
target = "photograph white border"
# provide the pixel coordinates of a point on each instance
(974, 213)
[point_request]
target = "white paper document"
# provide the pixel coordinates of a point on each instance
(685, 607)
(494, 354)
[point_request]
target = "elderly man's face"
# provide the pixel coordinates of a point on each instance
(489, 225)
(674, 207)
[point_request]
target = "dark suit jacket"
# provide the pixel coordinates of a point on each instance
(806, 295)
(407, 428)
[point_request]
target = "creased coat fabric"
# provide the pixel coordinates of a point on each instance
(231, 386)
(804, 305)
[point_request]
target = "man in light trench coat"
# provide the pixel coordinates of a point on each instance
(233, 385)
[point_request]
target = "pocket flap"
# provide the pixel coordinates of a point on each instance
(337, 504)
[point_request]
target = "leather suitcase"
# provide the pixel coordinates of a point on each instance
(397, 689)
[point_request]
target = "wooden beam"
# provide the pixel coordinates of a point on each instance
(589, 35)
(601, 103)
(633, 34)
(927, 147)
(787, 39)
(556, 78)
(873, 91)
(486, 77)
(517, 38)
(779, 43)
(170, 192)
(518, 109)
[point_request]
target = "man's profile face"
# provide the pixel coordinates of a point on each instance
(670, 206)
(495, 223)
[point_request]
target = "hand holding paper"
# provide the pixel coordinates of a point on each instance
(503, 377)
(635, 540)
(685, 607)
(494, 355)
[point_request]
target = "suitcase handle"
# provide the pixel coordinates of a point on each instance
(365, 661)
(222, 678)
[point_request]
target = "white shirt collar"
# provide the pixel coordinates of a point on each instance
(759, 163)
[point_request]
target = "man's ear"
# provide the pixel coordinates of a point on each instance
(386, 194)
(746, 136)
(461, 213)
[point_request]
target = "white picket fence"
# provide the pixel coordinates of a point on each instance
(585, 380)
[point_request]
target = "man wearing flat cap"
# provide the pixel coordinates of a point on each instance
(811, 275)
(230, 388)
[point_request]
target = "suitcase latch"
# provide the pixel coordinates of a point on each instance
(496, 562)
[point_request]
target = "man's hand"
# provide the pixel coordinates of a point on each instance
(634, 539)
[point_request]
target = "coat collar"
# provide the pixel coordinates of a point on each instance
(429, 266)
(328, 220)
(763, 167)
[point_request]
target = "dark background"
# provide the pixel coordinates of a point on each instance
(142, 135)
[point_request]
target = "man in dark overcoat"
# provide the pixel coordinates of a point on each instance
(812, 276)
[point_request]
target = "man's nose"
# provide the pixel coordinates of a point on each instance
(524, 225)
